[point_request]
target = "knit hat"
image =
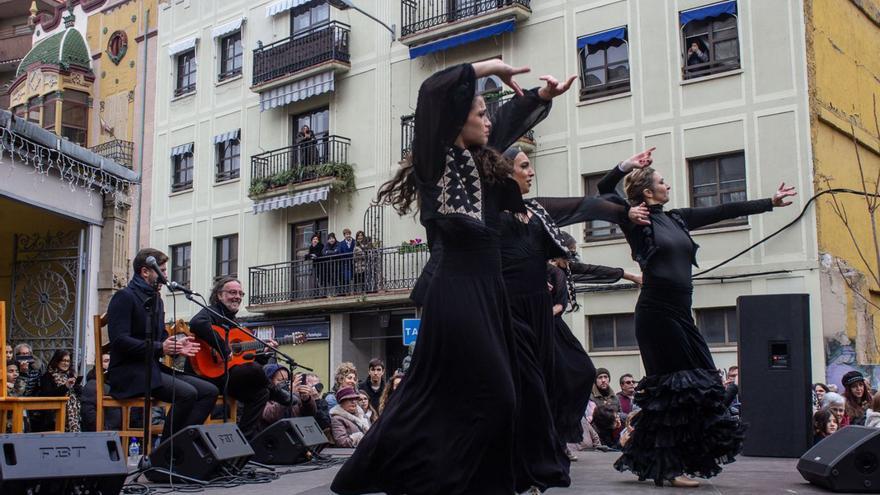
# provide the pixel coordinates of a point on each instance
(272, 368)
(852, 377)
(346, 393)
(602, 371)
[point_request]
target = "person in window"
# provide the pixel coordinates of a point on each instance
(59, 380)
(316, 250)
(824, 425)
(697, 53)
(331, 262)
(858, 396)
(306, 142)
(364, 262)
(681, 380)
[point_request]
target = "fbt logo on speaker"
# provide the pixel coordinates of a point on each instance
(60, 452)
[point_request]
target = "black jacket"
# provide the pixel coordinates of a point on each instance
(375, 396)
(127, 315)
(89, 407)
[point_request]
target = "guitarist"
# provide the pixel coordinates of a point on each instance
(247, 382)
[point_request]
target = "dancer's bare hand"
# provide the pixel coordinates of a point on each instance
(553, 88)
(639, 215)
(505, 72)
(636, 278)
(640, 160)
(782, 193)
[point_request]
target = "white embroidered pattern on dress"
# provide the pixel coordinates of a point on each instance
(460, 189)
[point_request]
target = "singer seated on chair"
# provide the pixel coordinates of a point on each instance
(247, 383)
(193, 397)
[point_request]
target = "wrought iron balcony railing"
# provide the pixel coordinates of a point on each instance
(373, 271)
(302, 50)
(407, 131)
(326, 156)
(418, 15)
(117, 150)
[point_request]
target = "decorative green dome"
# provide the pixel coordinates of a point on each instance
(63, 49)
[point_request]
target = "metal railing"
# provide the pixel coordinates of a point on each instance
(117, 150)
(359, 273)
(302, 158)
(301, 51)
(418, 15)
(494, 103)
(407, 131)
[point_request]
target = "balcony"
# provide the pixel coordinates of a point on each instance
(117, 150)
(324, 48)
(424, 21)
(373, 278)
(321, 164)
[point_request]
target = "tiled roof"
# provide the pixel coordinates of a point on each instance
(63, 49)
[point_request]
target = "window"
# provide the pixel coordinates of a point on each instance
(230, 56)
(604, 63)
(719, 325)
(186, 73)
(302, 235)
(710, 46)
(226, 254)
(180, 263)
(75, 116)
(612, 332)
(228, 155)
(305, 19)
(182, 173)
(20, 111)
(312, 152)
(600, 230)
(33, 114)
(49, 111)
(492, 91)
(717, 180)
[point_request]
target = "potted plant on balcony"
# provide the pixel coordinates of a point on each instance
(412, 246)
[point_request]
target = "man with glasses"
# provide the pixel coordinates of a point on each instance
(246, 382)
(626, 394)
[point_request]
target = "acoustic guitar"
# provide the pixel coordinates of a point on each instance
(209, 363)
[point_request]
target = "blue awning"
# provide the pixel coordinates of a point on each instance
(461, 39)
(706, 12)
(594, 39)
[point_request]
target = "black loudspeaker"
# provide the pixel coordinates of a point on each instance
(775, 374)
(201, 452)
(288, 441)
(61, 463)
(847, 461)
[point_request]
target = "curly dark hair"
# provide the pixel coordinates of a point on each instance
(820, 422)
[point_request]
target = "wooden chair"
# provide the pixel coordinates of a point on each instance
(126, 405)
(18, 405)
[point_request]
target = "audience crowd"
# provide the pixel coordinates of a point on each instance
(338, 267)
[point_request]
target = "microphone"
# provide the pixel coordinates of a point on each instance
(151, 263)
(175, 286)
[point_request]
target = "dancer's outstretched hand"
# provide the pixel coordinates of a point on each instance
(782, 193)
(505, 72)
(641, 160)
(639, 215)
(553, 88)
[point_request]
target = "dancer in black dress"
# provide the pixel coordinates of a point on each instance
(683, 426)
(527, 241)
(420, 445)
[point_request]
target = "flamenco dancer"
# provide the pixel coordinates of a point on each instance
(683, 427)
(420, 445)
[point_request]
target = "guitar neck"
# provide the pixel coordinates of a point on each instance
(256, 344)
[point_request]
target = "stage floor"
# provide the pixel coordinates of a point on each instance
(592, 475)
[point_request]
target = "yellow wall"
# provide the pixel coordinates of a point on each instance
(315, 355)
(843, 43)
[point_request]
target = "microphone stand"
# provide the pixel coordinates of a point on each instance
(150, 306)
(234, 324)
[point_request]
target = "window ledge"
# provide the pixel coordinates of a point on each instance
(227, 181)
(183, 96)
(617, 96)
(722, 229)
(632, 352)
(722, 348)
(180, 193)
(228, 80)
(608, 242)
(710, 77)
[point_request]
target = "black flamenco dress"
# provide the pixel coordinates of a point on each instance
(573, 371)
(438, 434)
(684, 426)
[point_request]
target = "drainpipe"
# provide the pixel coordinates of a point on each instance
(145, 15)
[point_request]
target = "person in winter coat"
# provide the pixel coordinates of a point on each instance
(346, 422)
(603, 393)
(332, 265)
(872, 415)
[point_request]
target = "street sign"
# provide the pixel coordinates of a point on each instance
(410, 330)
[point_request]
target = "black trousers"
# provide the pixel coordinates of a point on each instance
(192, 400)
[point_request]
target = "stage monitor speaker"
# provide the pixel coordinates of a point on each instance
(61, 463)
(775, 374)
(201, 452)
(847, 461)
(288, 441)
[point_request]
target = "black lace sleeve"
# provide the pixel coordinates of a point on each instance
(569, 211)
(559, 293)
(444, 102)
(700, 217)
(516, 117)
(584, 273)
(608, 184)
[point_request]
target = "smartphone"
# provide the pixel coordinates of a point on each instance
(302, 380)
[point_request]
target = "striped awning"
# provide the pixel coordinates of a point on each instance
(227, 136)
(182, 46)
(705, 12)
(182, 149)
(229, 27)
(284, 5)
(296, 91)
(294, 199)
(602, 37)
(462, 38)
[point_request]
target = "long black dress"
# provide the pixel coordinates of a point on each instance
(440, 435)
(683, 427)
(573, 372)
